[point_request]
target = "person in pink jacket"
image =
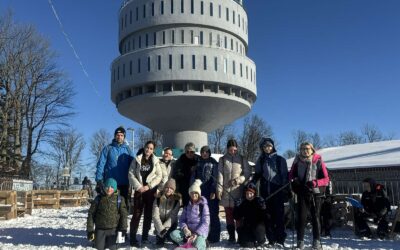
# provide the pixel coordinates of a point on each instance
(309, 178)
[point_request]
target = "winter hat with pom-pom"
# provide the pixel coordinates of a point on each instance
(196, 187)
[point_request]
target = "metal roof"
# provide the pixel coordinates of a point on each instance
(367, 155)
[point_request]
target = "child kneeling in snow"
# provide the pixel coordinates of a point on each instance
(165, 212)
(107, 215)
(251, 214)
(194, 221)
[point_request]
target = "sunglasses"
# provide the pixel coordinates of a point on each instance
(189, 152)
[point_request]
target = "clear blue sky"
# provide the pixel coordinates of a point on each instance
(322, 66)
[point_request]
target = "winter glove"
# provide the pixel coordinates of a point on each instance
(312, 184)
(90, 236)
(238, 202)
(297, 186)
(261, 203)
(100, 189)
(187, 232)
(233, 182)
(163, 233)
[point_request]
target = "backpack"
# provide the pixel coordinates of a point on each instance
(119, 200)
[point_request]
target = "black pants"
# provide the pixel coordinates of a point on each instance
(308, 203)
(142, 201)
(251, 235)
(124, 192)
(105, 239)
(326, 216)
(275, 219)
(361, 226)
(215, 224)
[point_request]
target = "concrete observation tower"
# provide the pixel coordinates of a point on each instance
(182, 68)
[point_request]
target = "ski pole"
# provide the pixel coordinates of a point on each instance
(277, 191)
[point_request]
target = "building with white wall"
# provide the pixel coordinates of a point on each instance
(182, 68)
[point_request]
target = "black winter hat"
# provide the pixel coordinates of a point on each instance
(120, 130)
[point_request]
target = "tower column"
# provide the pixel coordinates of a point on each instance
(178, 139)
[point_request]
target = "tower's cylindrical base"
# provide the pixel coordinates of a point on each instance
(179, 139)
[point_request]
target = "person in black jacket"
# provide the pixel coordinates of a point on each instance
(272, 172)
(250, 213)
(183, 170)
(207, 172)
(376, 205)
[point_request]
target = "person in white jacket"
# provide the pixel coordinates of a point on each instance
(144, 176)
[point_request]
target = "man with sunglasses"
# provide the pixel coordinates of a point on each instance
(183, 169)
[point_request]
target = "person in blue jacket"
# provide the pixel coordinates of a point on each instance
(114, 162)
(207, 172)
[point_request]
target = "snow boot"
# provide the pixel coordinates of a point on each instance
(316, 245)
(300, 245)
(231, 232)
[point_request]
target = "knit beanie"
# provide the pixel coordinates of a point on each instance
(120, 130)
(170, 184)
(251, 187)
(196, 187)
(110, 182)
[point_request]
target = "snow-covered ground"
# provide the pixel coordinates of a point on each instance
(65, 229)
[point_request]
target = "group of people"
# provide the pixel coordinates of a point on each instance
(253, 198)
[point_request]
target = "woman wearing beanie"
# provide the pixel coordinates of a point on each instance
(194, 221)
(165, 211)
(233, 172)
(309, 178)
(144, 176)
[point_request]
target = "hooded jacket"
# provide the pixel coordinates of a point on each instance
(271, 169)
(190, 217)
(376, 201)
(207, 172)
(114, 163)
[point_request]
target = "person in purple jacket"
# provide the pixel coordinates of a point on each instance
(194, 222)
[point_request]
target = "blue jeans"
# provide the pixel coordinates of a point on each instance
(177, 236)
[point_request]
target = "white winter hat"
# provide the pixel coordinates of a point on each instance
(196, 187)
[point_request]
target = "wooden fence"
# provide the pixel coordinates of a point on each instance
(19, 203)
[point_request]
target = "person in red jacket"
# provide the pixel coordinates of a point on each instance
(309, 178)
